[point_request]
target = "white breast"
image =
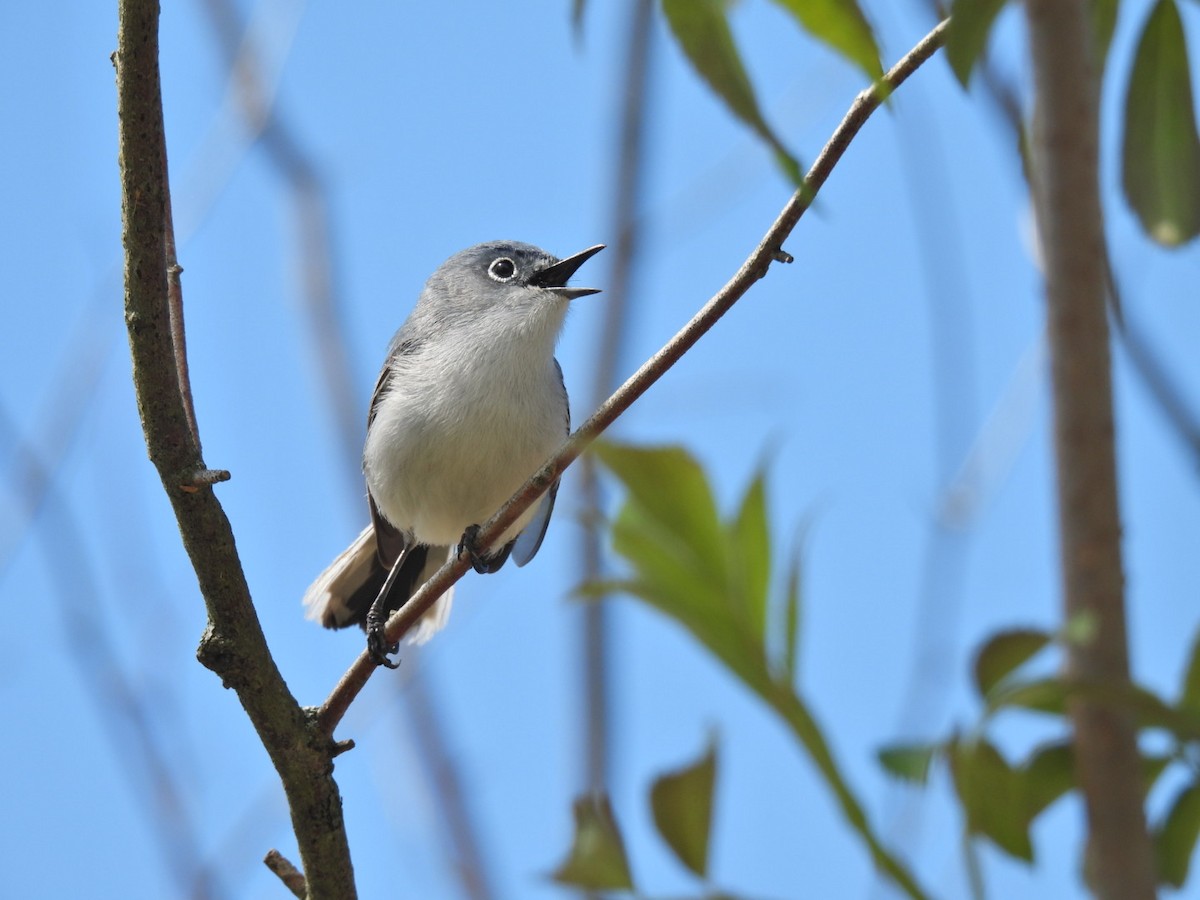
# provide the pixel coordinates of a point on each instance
(459, 430)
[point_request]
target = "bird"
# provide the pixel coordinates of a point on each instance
(469, 403)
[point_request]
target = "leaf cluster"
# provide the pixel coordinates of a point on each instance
(704, 34)
(712, 575)
(681, 802)
(1001, 799)
(1160, 153)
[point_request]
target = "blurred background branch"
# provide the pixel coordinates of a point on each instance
(630, 155)
(132, 722)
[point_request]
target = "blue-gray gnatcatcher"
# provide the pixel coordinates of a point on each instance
(469, 403)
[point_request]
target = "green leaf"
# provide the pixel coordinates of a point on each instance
(992, 795)
(1003, 654)
(1150, 710)
(1051, 694)
(1152, 768)
(909, 762)
(750, 551)
(1161, 158)
(667, 517)
(966, 37)
(791, 616)
(672, 489)
(1175, 839)
(1048, 775)
(669, 532)
(702, 30)
(682, 804)
(1046, 695)
(842, 25)
(1189, 698)
(596, 860)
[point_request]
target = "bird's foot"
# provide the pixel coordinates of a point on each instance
(378, 647)
(481, 562)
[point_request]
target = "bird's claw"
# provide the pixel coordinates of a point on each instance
(470, 544)
(379, 649)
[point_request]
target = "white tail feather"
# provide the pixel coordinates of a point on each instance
(435, 619)
(325, 599)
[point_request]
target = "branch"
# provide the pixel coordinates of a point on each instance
(1066, 162)
(596, 636)
(1156, 376)
(233, 645)
(291, 877)
(770, 249)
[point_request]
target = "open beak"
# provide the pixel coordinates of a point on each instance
(555, 277)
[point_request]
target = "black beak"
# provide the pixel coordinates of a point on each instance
(555, 277)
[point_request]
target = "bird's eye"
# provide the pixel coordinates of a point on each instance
(502, 269)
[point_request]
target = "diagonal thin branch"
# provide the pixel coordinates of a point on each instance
(233, 644)
(770, 249)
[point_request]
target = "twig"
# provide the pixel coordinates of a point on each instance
(175, 307)
(1066, 163)
(754, 268)
(291, 877)
(233, 644)
(630, 142)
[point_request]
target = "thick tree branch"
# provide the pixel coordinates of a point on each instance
(233, 645)
(1065, 162)
(770, 249)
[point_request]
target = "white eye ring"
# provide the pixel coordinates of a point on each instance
(502, 269)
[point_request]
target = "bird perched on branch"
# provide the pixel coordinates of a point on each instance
(469, 404)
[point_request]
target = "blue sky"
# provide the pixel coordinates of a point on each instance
(462, 122)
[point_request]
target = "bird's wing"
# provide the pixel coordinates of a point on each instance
(390, 541)
(530, 539)
(526, 546)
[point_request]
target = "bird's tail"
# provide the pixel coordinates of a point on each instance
(344, 592)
